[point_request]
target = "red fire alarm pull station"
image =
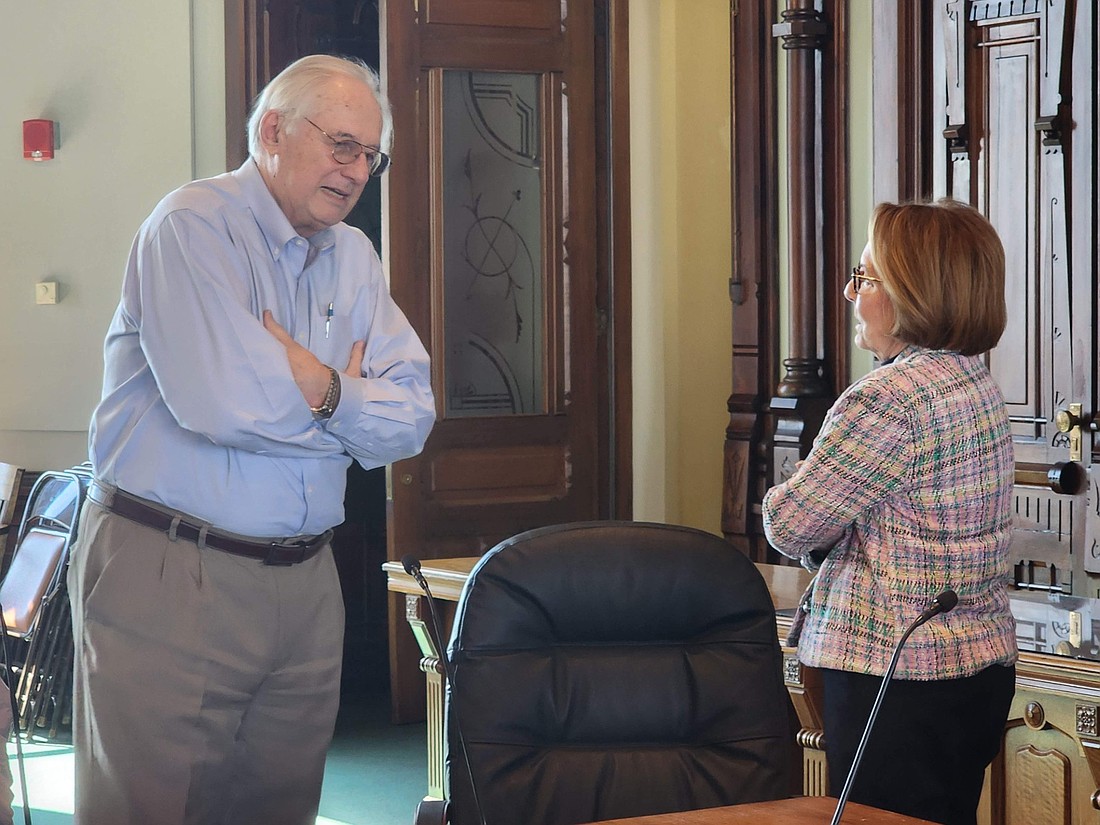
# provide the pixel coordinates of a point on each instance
(39, 138)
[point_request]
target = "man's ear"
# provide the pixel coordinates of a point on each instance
(271, 130)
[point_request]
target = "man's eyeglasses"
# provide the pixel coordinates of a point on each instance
(348, 151)
(859, 276)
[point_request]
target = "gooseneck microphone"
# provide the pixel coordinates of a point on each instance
(412, 567)
(943, 603)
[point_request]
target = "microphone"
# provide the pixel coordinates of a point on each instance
(412, 566)
(943, 603)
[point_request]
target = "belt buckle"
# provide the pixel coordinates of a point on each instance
(285, 555)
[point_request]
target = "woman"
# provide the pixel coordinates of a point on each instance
(907, 492)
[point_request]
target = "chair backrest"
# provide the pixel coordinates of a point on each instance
(41, 552)
(614, 669)
(10, 476)
(55, 501)
(35, 570)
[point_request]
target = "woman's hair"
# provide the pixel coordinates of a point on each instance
(294, 89)
(943, 267)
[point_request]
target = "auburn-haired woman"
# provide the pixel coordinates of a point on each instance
(907, 492)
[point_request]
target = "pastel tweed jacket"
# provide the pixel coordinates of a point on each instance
(909, 487)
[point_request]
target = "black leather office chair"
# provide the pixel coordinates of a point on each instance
(613, 669)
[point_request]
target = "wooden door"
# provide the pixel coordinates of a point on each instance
(491, 210)
(262, 38)
(1012, 82)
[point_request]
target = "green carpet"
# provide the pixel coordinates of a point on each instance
(375, 774)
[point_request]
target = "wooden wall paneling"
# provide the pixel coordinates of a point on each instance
(817, 102)
(613, 254)
(754, 291)
(833, 209)
(900, 83)
(1084, 194)
(803, 394)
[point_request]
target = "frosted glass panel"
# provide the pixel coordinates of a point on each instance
(492, 235)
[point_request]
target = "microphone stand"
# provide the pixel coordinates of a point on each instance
(412, 567)
(944, 602)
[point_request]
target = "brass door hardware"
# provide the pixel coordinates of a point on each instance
(1070, 421)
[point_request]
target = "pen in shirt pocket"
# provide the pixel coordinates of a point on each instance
(328, 319)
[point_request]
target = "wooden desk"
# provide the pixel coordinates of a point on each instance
(446, 577)
(803, 810)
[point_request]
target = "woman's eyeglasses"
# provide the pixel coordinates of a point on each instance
(348, 151)
(859, 276)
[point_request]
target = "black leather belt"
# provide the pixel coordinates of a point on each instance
(269, 551)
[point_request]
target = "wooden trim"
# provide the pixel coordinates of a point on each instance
(247, 70)
(613, 254)
(902, 94)
(754, 288)
(836, 195)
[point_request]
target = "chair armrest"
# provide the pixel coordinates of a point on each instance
(432, 812)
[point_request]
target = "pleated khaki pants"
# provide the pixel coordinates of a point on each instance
(206, 684)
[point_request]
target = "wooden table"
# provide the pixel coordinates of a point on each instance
(446, 577)
(802, 810)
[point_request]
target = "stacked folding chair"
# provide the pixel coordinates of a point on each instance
(35, 603)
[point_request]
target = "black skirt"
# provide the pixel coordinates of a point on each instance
(931, 743)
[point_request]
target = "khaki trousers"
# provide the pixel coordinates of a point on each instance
(206, 684)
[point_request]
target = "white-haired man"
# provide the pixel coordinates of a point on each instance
(254, 354)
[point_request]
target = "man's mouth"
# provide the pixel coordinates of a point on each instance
(336, 192)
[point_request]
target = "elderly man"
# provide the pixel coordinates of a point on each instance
(254, 354)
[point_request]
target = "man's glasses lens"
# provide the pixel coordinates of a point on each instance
(348, 151)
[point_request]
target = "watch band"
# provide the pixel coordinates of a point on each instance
(332, 397)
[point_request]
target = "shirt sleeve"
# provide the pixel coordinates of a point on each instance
(863, 452)
(386, 414)
(220, 373)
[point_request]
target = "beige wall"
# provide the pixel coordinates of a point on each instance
(680, 153)
(680, 171)
(120, 86)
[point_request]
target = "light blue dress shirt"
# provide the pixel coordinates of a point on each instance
(200, 411)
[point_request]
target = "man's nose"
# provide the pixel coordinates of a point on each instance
(358, 170)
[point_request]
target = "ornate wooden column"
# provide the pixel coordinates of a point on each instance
(755, 266)
(804, 393)
(819, 251)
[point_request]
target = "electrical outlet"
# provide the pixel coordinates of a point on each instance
(45, 292)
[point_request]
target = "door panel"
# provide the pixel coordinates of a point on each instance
(492, 253)
(516, 14)
(1008, 83)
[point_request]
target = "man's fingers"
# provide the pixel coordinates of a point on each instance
(276, 329)
(355, 362)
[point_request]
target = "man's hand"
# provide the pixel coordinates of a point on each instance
(309, 373)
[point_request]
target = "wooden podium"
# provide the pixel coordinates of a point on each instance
(802, 810)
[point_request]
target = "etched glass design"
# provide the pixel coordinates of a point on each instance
(493, 239)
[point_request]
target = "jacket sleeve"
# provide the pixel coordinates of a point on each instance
(863, 452)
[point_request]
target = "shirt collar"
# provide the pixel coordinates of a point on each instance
(274, 225)
(907, 350)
